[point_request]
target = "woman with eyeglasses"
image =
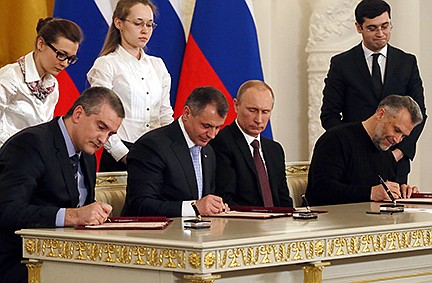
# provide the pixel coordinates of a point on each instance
(141, 81)
(28, 88)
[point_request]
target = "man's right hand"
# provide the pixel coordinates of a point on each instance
(211, 204)
(92, 214)
(378, 192)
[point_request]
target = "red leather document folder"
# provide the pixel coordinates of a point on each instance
(419, 198)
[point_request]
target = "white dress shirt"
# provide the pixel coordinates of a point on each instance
(144, 89)
(19, 108)
(382, 60)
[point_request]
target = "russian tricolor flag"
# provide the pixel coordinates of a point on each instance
(222, 51)
(168, 40)
(90, 18)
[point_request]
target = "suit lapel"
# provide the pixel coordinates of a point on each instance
(243, 147)
(360, 62)
(391, 67)
(65, 166)
(88, 169)
(181, 152)
(269, 159)
(207, 169)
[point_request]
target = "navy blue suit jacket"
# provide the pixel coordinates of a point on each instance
(36, 180)
(161, 174)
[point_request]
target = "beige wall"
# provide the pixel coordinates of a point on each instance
(283, 32)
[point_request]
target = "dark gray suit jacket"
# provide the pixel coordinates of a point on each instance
(236, 176)
(36, 180)
(161, 174)
(349, 94)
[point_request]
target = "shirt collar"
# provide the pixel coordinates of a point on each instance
(249, 138)
(368, 53)
(189, 142)
(69, 145)
(128, 57)
(31, 73)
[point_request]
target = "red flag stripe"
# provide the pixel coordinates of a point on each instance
(197, 71)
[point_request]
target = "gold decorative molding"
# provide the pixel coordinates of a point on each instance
(109, 180)
(195, 260)
(202, 278)
(232, 258)
(106, 253)
(209, 260)
(313, 272)
(298, 169)
(34, 270)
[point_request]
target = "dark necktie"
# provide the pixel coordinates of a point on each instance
(74, 164)
(262, 175)
(376, 73)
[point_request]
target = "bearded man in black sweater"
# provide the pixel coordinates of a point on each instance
(347, 159)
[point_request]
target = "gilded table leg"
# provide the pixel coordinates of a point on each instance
(34, 270)
(313, 272)
(202, 278)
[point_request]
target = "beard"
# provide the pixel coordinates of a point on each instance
(379, 137)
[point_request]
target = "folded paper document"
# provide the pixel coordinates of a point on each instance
(130, 223)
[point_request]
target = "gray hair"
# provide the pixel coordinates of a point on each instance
(395, 103)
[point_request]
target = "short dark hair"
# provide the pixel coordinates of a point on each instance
(395, 103)
(93, 98)
(205, 95)
(371, 9)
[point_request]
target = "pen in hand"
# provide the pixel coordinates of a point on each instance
(389, 193)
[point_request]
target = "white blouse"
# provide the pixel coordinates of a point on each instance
(19, 108)
(143, 87)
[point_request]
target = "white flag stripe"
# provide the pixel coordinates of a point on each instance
(250, 5)
(106, 7)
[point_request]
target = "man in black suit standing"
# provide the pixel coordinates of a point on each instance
(358, 79)
(48, 174)
(173, 167)
(239, 148)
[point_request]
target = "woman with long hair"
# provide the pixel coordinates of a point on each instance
(141, 81)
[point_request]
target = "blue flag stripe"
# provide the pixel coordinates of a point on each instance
(87, 15)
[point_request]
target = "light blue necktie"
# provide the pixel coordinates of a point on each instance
(196, 151)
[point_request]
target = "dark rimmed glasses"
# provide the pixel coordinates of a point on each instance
(62, 56)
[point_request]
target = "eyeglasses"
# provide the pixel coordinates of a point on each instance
(384, 27)
(142, 24)
(61, 56)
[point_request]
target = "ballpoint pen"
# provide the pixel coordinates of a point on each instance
(305, 202)
(389, 193)
(197, 213)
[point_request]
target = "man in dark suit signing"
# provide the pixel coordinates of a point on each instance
(361, 77)
(172, 167)
(48, 173)
(240, 146)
